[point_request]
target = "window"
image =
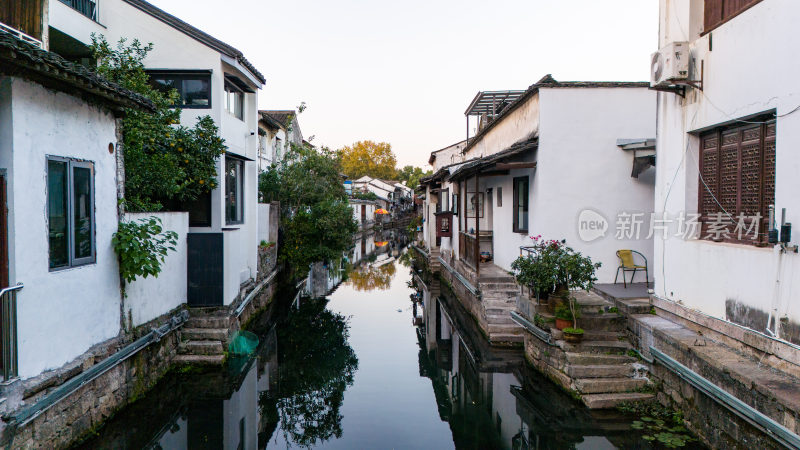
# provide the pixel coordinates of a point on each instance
(234, 190)
(737, 182)
(499, 196)
(234, 100)
(86, 7)
(717, 12)
(444, 200)
(521, 204)
(70, 212)
(194, 87)
(455, 204)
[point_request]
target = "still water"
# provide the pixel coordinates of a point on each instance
(379, 360)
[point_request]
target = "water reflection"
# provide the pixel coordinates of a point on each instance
(492, 399)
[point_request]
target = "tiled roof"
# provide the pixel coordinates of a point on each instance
(548, 81)
(283, 117)
(20, 58)
(197, 34)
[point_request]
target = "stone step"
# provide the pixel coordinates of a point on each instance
(504, 319)
(512, 328)
(494, 311)
(510, 286)
(602, 322)
(200, 360)
(498, 296)
(595, 358)
(501, 302)
(634, 306)
(603, 347)
(205, 334)
(505, 338)
(600, 371)
(608, 385)
(595, 335)
(608, 401)
(201, 348)
(213, 321)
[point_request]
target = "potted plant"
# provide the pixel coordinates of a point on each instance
(573, 335)
(565, 316)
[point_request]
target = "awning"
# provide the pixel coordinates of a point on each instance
(499, 162)
(644, 153)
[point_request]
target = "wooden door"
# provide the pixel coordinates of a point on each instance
(363, 213)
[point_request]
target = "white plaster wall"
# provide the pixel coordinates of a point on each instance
(71, 22)
(579, 166)
(745, 73)
(151, 297)
(504, 404)
(263, 222)
(520, 124)
(242, 404)
(448, 155)
(60, 314)
(175, 50)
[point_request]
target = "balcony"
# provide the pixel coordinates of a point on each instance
(467, 248)
(86, 7)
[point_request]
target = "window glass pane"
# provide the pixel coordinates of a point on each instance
(195, 92)
(82, 211)
(57, 212)
(233, 180)
(164, 85)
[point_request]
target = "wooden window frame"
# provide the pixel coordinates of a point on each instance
(526, 207)
(713, 179)
(71, 164)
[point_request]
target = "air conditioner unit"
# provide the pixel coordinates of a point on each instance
(670, 65)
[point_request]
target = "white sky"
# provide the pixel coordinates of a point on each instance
(404, 71)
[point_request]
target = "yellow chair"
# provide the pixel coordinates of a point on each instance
(627, 264)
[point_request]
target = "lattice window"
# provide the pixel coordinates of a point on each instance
(737, 182)
(717, 12)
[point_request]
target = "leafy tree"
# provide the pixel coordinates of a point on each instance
(411, 175)
(374, 159)
(316, 219)
(315, 366)
(166, 164)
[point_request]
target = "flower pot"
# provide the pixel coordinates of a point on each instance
(573, 338)
(563, 323)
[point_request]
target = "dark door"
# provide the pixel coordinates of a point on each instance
(3, 254)
(205, 274)
(363, 213)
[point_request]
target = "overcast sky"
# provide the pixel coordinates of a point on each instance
(404, 71)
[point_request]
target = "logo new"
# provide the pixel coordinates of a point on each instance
(591, 225)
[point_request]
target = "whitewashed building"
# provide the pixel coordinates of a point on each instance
(382, 189)
(277, 131)
(552, 161)
(214, 79)
(727, 138)
(59, 180)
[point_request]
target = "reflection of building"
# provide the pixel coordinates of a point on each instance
(491, 399)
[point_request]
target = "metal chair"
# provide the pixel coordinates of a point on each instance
(627, 264)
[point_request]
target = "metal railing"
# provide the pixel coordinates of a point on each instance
(8, 330)
(20, 35)
(86, 7)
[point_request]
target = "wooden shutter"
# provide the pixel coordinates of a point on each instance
(24, 15)
(717, 12)
(737, 170)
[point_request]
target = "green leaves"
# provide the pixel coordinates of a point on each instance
(141, 247)
(166, 164)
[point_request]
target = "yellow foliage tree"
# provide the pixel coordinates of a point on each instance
(374, 159)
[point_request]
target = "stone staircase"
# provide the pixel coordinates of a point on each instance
(204, 338)
(599, 368)
(499, 298)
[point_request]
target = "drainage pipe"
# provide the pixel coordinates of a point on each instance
(27, 414)
(759, 420)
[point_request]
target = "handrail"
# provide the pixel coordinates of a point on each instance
(756, 418)
(460, 278)
(544, 336)
(8, 334)
(240, 309)
(20, 35)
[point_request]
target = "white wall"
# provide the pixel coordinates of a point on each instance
(151, 297)
(745, 73)
(175, 50)
(243, 404)
(516, 126)
(579, 167)
(60, 314)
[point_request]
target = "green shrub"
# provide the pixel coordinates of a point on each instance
(141, 247)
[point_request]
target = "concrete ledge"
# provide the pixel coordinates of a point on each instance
(779, 354)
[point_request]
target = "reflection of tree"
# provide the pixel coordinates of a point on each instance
(406, 258)
(369, 278)
(316, 365)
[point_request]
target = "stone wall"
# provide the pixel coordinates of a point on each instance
(87, 408)
(468, 300)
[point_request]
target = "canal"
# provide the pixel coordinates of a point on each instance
(366, 355)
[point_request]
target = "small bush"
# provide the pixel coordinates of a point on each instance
(142, 246)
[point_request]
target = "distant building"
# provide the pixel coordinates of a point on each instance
(277, 131)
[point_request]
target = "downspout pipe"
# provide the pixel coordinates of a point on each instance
(27, 414)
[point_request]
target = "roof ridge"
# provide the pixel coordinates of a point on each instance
(196, 33)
